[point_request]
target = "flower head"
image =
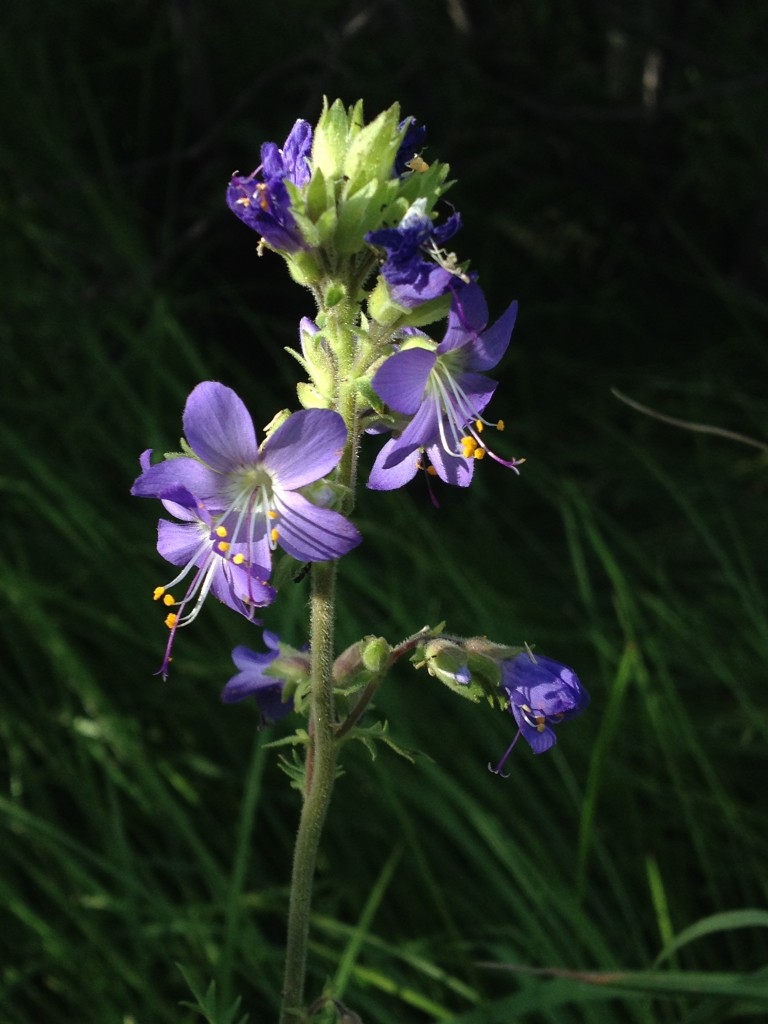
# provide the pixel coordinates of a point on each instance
(253, 680)
(443, 388)
(254, 493)
(541, 693)
(213, 564)
(417, 268)
(262, 200)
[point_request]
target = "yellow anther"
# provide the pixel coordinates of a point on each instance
(469, 446)
(244, 201)
(239, 559)
(223, 546)
(157, 593)
(479, 453)
(272, 514)
(221, 531)
(479, 426)
(500, 425)
(170, 620)
(431, 471)
(540, 723)
(273, 535)
(168, 600)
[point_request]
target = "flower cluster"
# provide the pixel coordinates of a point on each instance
(236, 501)
(359, 216)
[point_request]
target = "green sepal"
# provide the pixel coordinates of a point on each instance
(371, 155)
(369, 396)
(304, 267)
(310, 398)
(361, 213)
(331, 137)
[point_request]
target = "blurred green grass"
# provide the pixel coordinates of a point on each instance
(632, 237)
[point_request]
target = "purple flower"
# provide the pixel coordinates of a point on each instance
(542, 693)
(417, 268)
(253, 493)
(262, 200)
(216, 566)
(253, 680)
(444, 390)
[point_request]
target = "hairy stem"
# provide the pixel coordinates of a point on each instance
(318, 791)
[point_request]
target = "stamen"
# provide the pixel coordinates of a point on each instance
(497, 770)
(157, 593)
(171, 619)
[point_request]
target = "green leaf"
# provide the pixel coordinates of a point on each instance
(723, 922)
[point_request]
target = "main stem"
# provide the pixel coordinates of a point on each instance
(321, 771)
(321, 754)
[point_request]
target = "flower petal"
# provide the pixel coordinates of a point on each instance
(167, 477)
(467, 317)
(388, 474)
(309, 533)
(180, 543)
(486, 352)
(402, 379)
(451, 469)
(304, 448)
(219, 428)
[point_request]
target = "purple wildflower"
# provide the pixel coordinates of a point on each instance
(541, 693)
(254, 493)
(253, 680)
(444, 390)
(262, 200)
(417, 268)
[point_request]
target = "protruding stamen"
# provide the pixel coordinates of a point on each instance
(171, 619)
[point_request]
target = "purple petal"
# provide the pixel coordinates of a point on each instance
(387, 475)
(241, 589)
(304, 448)
(467, 317)
(309, 533)
(401, 380)
(451, 469)
(478, 388)
(486, 352)
(219, 428)
(422, 430)
(168, 476)
(297, 148)
(179, 543)
(246, 659)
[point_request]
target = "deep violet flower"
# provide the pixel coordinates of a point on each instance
(443, 388)
(417, 268)
(252, 680)
(216, 566)
(253, 493)
(262, 200)
(542, 693)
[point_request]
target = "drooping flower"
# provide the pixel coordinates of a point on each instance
(253, 679)
(443, 388)
(541, 693)
(417, 268)
(215, 565)
(262, 200)
(253, 493)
